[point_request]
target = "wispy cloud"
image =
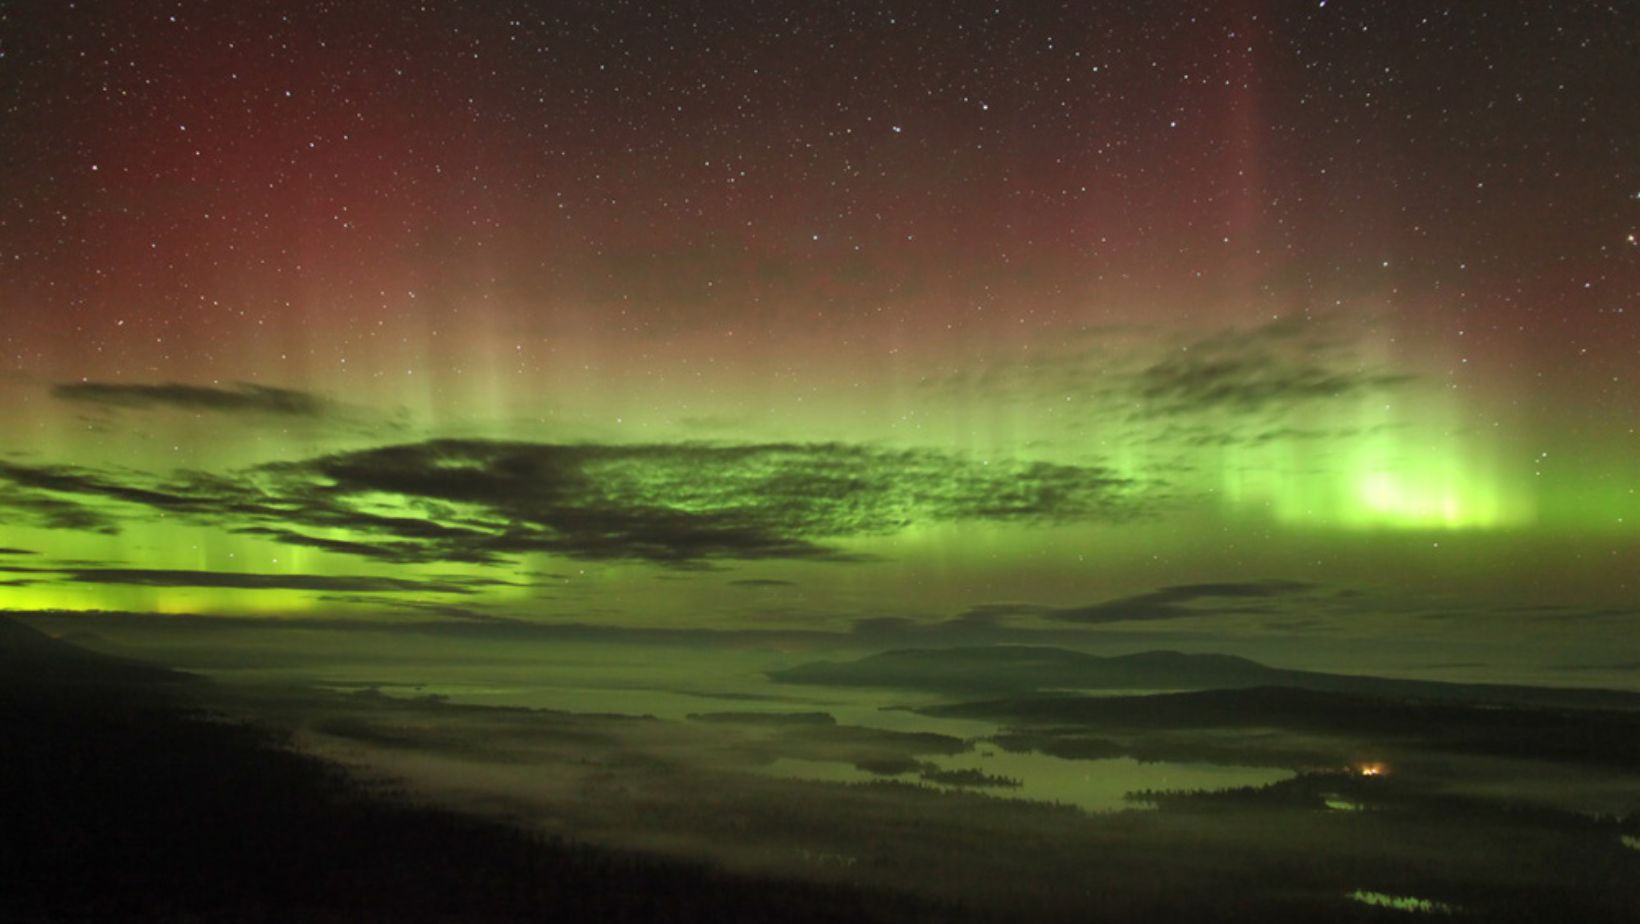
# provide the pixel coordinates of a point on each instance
(241, 398)
(1245, 383)
(1217, 384)
(680, 504)
(150, 577)
(36, 508)
(1174, 602)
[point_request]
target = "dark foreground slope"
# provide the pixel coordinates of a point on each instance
(118, 802)
(29, 657)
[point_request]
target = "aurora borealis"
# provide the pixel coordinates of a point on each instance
(1309, 323)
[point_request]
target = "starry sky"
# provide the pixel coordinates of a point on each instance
(1305, 321)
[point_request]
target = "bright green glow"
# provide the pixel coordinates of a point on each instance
(1400, 501)
(1355, 481)
(1411, 469)
(170, 545)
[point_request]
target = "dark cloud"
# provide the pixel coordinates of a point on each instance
(419, 606)
(1191, 383)
(1234, 386)
(978, 626)
(241, 398)
(107, 485)
(147, 577)
(1286, 362)
(384, 551)
(1166, 603)
(465, 623)
(1574, 613)
(981, 625)
(6, 551)
(1616, 666)
(684, 504)
(1211, 436)
(34, 508)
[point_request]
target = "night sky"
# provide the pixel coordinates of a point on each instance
(1316, 323)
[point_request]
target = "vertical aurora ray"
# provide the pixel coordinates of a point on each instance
(1266, 276)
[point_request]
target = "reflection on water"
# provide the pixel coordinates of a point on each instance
(671, 684)
(667, 683)
(1091, 785)
(683, 683)
(1401, 902)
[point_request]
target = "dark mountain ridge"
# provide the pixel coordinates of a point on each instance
(28, 655)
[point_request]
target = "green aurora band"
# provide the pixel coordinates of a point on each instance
(312, 313)
(1276, 446)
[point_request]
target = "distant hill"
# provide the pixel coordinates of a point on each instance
(1016, 670)
(28, 655)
